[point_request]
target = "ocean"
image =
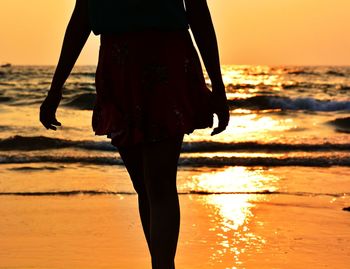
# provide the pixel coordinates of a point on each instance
(280, 116)
(269, 192)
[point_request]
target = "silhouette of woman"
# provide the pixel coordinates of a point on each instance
(150, 92)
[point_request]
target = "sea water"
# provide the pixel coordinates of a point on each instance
(281, 116)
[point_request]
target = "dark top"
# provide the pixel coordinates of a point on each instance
(117, 16)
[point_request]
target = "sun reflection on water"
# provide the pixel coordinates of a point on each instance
(232, 220)
(249, 126)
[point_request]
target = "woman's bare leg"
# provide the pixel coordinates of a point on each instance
(153, 169)
(132, 158)
(160, 161)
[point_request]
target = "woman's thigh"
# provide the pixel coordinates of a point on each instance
(133, 160)
(152, 166)
(160, 160)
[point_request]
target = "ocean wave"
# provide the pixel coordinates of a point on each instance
(216, 161)
(343, 88)
(265, 161)
(2, 83)
(261, 147)
(309, 104)
(286, 103)
(85, 74)
(31, 143)
(5, 99)
(77, 86)
(83, 97)
(335, 73)
(4, 128)
(191, 192)
(66, 193)
(97, 160)
(29, 168)
(265, 101)
(308, 85)
(342, 124)
(83, 101)
(233, 87)
(302, 72)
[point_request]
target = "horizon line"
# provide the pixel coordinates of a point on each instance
(269, 65)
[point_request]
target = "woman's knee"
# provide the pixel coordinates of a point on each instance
(132, 158)
(139, 186)
(160, 169)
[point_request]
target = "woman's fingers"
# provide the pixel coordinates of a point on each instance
(221, 109)
(224, 117)
(53, 124)
(217, 130)
(51, 127)
(222, 127)
(50, 124)
(48, 118)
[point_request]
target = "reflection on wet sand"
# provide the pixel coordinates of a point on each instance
(233, 214)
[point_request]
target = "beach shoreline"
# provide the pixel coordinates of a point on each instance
(103, 231)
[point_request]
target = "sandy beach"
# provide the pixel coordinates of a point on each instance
(283, 230)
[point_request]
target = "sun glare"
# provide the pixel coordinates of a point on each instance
(237, 191)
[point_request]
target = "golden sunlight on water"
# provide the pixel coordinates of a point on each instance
(249, 127)
(256, 75)
(252, 80)
(232, 220)
(254, 123)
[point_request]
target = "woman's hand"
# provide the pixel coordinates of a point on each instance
(48, 110)
(220, 108)
(77, 32)
(203, 31)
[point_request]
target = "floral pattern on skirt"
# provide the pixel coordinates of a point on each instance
(150, 87)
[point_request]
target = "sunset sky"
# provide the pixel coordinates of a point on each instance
(273, 32)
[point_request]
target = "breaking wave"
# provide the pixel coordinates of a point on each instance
(30, 143)
(192, 192)
(285, 103)
(216, 161)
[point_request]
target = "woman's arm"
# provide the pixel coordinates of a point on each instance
(203, 31)
(77, 32)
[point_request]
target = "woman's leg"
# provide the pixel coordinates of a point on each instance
(160, 161)
(132, 158)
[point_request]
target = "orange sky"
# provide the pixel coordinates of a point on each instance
(312, 32)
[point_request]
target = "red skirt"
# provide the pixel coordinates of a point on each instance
(150, 87)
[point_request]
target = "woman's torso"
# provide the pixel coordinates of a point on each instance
(119, 16)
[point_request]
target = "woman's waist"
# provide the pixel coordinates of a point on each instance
(137, 28)
(146, 36)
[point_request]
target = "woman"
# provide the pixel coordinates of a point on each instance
(150, 92)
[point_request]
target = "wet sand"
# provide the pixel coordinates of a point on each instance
(217, 231)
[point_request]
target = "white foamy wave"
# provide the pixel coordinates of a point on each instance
(308, 104)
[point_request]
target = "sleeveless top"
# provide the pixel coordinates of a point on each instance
(119, 16)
